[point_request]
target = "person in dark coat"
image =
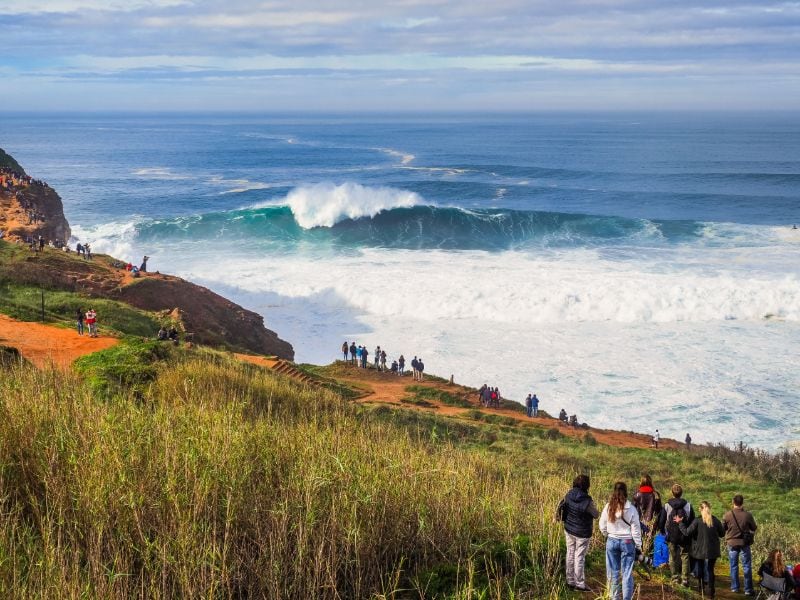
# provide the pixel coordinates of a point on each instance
(577, 510)
(647, 501)
(705, 533)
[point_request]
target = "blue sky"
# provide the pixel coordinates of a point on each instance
(407, 55)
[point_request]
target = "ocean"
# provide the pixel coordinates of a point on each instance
(638, 270)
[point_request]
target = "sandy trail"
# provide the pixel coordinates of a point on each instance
(390, 389)
(45, 344)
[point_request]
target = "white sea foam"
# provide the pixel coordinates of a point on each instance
(239, 185)
(405, 157)
(116, 238)
(325, 204)
(159, 173)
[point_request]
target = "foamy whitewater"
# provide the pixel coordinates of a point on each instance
(640, 273)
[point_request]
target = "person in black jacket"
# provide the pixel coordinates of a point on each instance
(705, 533)
(676, 542)
(577, 510)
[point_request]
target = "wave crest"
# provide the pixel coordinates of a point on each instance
(325, 204)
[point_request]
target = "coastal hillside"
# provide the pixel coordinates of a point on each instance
(31, 211)
(154, 471)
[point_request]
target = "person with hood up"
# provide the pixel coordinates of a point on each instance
(577, 511)
(619, 523)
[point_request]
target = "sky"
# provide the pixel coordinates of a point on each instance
(398, 55)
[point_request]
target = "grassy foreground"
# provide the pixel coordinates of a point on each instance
(196, 476)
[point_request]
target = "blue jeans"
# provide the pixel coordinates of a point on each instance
(529, 411)
(743, 552)
(80, 327)
(535, 411)
(620, 556)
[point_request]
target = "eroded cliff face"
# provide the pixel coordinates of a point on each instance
(29, 208)
(211, 319)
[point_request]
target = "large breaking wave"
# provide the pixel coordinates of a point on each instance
(351, 215)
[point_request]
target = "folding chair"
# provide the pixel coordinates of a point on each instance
(773, 588)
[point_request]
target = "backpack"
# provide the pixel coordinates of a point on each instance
(674, 535)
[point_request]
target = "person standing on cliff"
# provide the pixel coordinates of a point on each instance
(378, 358)
(79, 318)
(353, 352)
(364, 357)
(401, 365)
(345, 348)
(143, 268)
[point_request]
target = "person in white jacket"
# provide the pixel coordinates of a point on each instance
(619, 524)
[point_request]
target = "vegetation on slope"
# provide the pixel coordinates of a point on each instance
(162, 472)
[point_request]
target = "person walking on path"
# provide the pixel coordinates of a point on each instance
(619, 523)
(535, 405)
(677, 543)
(740, 528)
(529, 406)
(401, 365)
(577, 511)
(345, 348)
(79, 319)
(705, 533)
(91, 322)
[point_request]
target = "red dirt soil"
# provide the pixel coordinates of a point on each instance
(45, 344)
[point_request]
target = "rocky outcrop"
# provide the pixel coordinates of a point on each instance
(209, 317)
(30, 208)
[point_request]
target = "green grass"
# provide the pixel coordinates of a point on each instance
(224, 480)
(423, 394)
(24, 302)
(125, 369)
(163, 472)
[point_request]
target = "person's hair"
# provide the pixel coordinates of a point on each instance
(646, 480)
(617, 501)
(581, 481)
(775, 561)
(705, 513)
(738, 500)
(677, 490)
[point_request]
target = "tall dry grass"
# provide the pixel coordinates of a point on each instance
(227, 481)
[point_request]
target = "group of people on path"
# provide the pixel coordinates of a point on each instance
(693, 541)
(489, 397)
(359, 356)
(86, 321)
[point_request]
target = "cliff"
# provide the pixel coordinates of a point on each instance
(210, 318)
(29, 208)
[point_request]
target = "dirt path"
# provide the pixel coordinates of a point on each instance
(43, 344)
(390, 389)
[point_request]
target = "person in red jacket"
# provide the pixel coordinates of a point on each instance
(91, 322)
